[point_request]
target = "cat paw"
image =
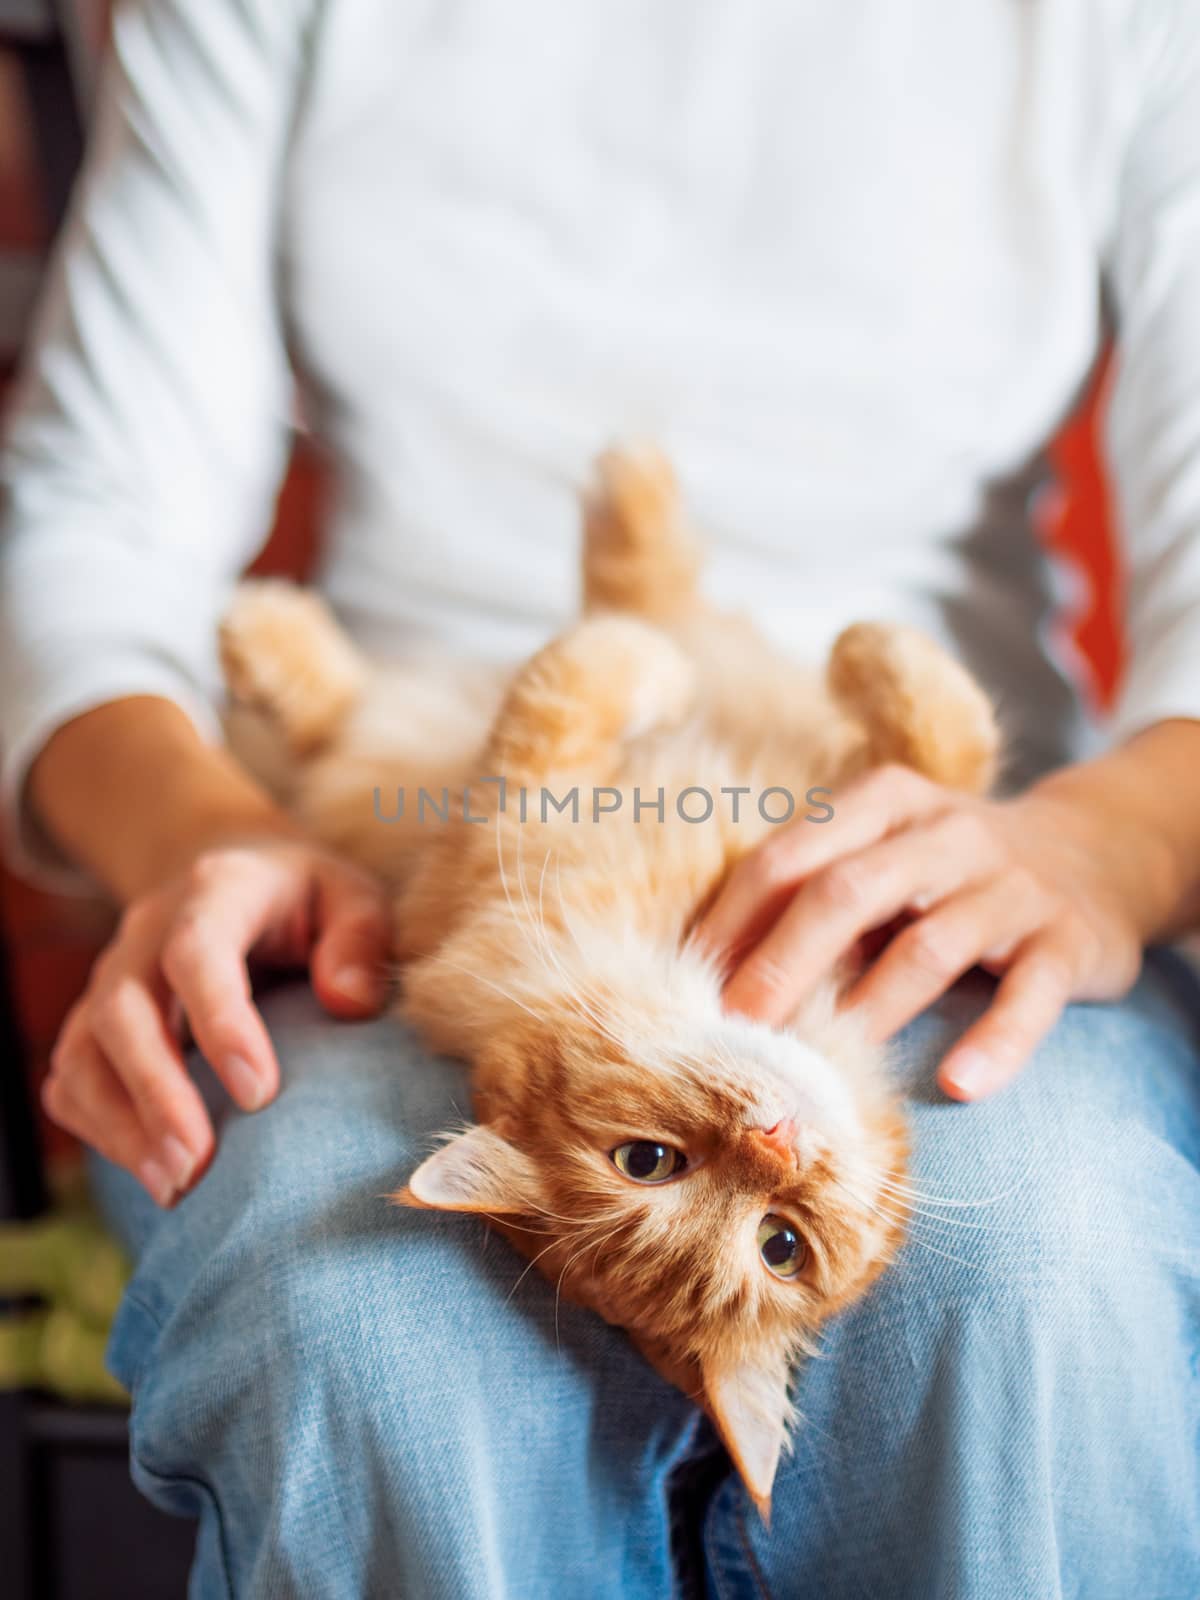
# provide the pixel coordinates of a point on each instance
(639, 553)
(918, 706)
(609, 679)
(283, 653)
(634, 675)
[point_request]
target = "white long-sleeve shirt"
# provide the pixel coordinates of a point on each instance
(843, 261)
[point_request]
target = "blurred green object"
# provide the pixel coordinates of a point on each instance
(70, 1264)
(57, 1351)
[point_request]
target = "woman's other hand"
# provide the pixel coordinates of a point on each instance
(1057, 892)
(118, 1079)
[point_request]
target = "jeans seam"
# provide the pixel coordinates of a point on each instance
(209, 1494)
(131, 1300)
(135, 1299)
(718, 1580)
(752, 1565)
(203, 1488)
(752, 1570)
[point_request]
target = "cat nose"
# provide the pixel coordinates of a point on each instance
(779, 1139)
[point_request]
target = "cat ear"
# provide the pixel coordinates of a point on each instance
(749, 1404)
(475, 1171)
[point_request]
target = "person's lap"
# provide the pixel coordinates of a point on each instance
(1014, 1411)
(365, 1401)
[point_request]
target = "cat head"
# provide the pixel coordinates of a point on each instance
(716, 1187)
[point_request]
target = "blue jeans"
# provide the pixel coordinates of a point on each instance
(359, 1401)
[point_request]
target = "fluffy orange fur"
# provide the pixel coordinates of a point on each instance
(553, 954)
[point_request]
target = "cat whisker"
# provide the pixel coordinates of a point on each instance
(911, 1211)
(525, 1227)
(914, 1192)
(569, 1222)
(612, 1232)
(526, 923)
(918, 1243)
(528, 1268)
(579, 1226)
(586, 1001)
(508, 995)
(501, 869)
(575, 990)
(568, 924)
(959, 1261)
(580, 993)
(532, 1206)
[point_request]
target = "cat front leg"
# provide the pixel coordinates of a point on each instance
(572, 708)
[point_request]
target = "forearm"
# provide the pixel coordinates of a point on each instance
(132, 792)
(1140, 804)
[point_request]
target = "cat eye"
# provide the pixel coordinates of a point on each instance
(647, 1162)
(780, 1246)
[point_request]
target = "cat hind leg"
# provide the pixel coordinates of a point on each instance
(284, 655)
(917, 705)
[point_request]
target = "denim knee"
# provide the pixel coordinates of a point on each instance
(1078, 1178)
(356, 1396)
(1013, 1407)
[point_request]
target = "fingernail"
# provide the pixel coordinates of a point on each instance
(248, 1087)
(357, 984)
(177, 1160)
(968, 1072)
(162, 1190)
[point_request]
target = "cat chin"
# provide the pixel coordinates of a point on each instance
(820, 1069)
(798, 1079)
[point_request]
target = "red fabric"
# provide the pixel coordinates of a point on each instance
(1081, 529)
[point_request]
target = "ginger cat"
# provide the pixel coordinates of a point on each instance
(715, 1186)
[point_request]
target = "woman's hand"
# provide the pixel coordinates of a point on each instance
(1057, 891)
(117, 1077)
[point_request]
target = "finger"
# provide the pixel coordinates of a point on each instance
(1031, 998)
(204, 962)
(128, 1023)
(205, 965)
(87, 1098)
(840, 904)
(868, 809)
(349, 962)
(924, 960)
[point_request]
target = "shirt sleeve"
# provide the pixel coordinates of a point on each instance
(1154, 420)
(150, 426)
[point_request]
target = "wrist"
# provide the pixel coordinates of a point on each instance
(1135, 814)
(221, 823)
(133, 793)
